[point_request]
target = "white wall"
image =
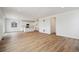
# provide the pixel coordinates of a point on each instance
(12, 29)
(36, 25)
(45, 25)
(1, 24)
(67, 24)
(49, 25)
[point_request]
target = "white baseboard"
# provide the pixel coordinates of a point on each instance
(74, 37)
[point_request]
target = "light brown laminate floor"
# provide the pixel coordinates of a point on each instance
(37, 42)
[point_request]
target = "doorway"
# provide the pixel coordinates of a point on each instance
(53, 25)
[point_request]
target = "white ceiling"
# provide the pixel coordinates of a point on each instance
(34, 12)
